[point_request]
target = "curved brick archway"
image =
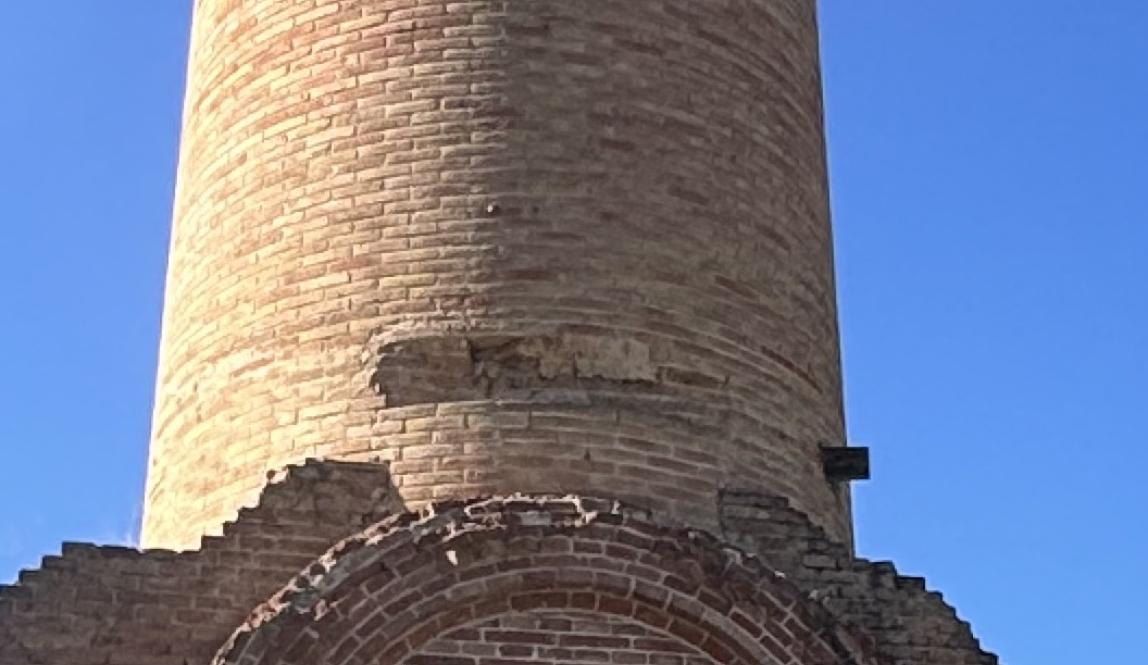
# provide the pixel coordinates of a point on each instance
(388, 595)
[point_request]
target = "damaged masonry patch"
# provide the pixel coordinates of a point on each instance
(437, 369)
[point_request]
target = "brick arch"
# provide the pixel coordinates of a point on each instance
(382, 595)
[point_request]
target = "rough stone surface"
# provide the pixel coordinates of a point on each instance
(507, 245)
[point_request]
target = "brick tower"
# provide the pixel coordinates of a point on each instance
(511, 324)
(542, 246)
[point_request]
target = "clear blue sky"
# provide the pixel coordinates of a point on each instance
(989, 174)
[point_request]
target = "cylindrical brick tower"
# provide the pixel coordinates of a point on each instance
(504, 246)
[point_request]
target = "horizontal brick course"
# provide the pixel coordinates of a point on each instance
(557, 637)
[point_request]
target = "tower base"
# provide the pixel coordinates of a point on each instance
(327, 569)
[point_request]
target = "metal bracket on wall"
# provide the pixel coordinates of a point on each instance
(845, 464)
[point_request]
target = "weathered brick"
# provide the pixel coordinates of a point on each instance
(654, 239)
(529, 248)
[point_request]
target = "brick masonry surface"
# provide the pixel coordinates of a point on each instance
(477, 580)
(386, 594)
(908, 622)
(117, 606)
(512, 245)
(546, 636)
(546, 289)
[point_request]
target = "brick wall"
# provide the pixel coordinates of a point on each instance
(909, 624)
(486, 582)
(117, 606)
(544, 574)
(506, 245)
(558, 637)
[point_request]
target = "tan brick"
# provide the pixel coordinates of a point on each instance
(355, 174)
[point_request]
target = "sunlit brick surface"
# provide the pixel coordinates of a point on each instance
(515, 245)
(486, 582)
(541, 580)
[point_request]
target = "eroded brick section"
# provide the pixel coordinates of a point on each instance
(909, 624)
(116, 606)
(631, 193)
(556, 638)
(409, 586)
(526, 369)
